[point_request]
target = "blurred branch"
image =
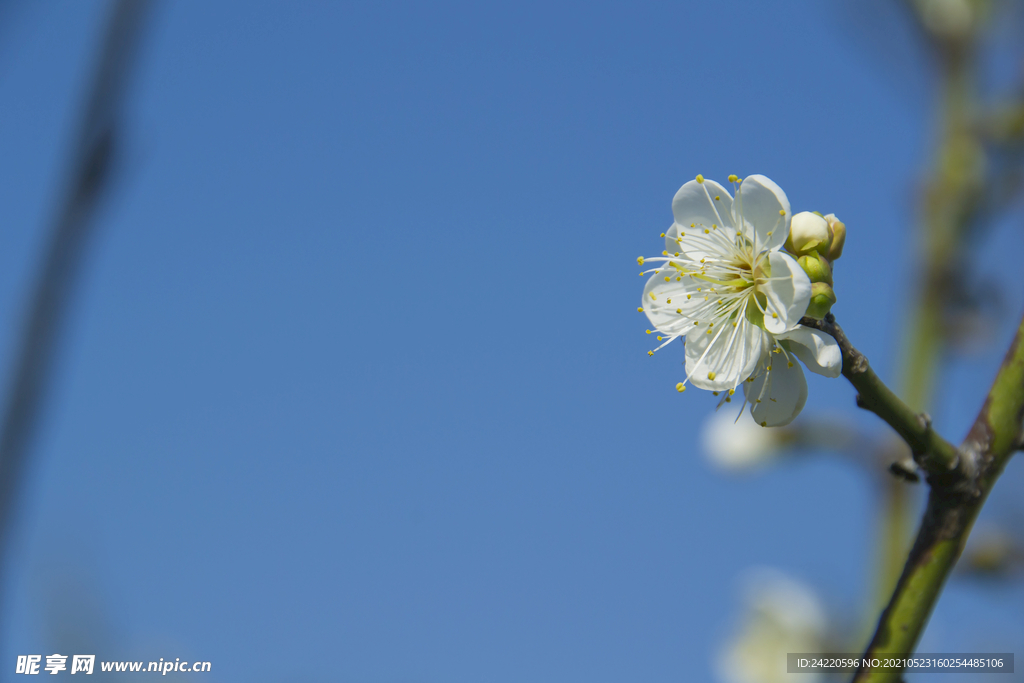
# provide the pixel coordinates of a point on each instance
(89, 175)
(953, 505)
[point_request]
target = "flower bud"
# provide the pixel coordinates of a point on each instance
(838, 231)
(816, 266)
(822, 299)
(807, 232)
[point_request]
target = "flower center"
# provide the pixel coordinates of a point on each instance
(742, 295)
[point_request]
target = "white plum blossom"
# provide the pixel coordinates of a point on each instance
(725, 285)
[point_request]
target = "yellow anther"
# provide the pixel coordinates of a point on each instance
(733, 178)
(679, 311)
(661, 235)
(732, 391)
(683, 234)
(648, 332)
(750, 379)
(728, 400)
(790, 363)
(693, 225)
(650, 353)
(763, 424)
(678, 278)
(782, 212)
(668, 279)
(758, 401)
(700, 178)
(680, 387)
(710, 330)
(688, 296)
(770, 233)
(696, 323)
(714, 393)
(640, 309)
(664, 252)
(717, 197)
(677, 253)
(775, 315)
(769, 368)
(640, 260)
(654, 297)
(711, 375)
(706, 231)
(734, 324)
(776, 350)
(659, 337)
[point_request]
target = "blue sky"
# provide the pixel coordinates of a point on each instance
(355, 387)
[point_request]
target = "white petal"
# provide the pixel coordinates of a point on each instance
(788, 292)
(730, 353)
(759, 201)
(782, 392)
(818, 351)
(670, 297)
(692, 242)
(695, 205)
(717, 244)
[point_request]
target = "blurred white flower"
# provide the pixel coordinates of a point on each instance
(726, 286)
(739, 444)
(782, 616)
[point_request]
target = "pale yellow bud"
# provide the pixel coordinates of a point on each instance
(838, 230)
(807, 232)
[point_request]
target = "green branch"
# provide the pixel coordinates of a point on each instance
(953, 504)
(933, 453)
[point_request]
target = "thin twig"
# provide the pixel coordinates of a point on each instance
(933, 453)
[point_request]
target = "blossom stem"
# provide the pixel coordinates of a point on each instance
(953, 504)
(934, 454)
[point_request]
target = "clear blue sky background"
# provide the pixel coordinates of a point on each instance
(355, 388)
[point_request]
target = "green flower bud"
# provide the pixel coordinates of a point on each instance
(822, 299)
(816, 266)
(838, 230)
(808, 232)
